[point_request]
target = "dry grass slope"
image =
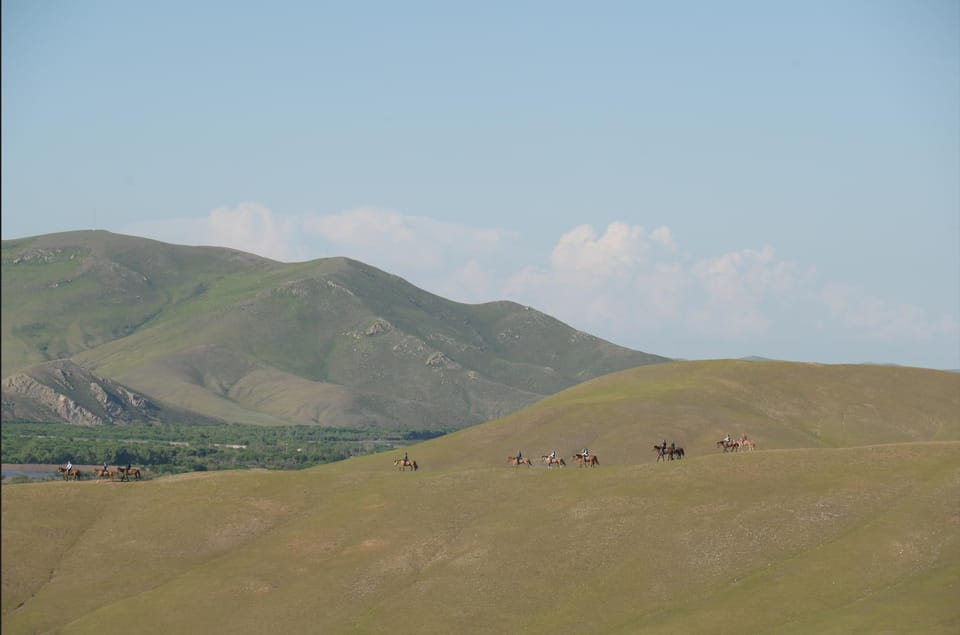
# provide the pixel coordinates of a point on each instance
(798, 537)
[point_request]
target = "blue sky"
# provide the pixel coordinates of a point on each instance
(693, 179)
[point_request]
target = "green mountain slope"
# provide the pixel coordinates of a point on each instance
(226, 335)
(796, 537)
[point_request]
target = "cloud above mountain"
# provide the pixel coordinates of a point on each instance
(623, 282)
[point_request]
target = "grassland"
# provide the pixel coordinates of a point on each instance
(844, 520)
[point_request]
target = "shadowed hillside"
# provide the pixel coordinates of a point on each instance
(223, 335)
(803, 535)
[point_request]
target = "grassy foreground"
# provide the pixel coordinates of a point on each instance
(797, 537)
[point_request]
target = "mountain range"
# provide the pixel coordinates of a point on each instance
(100, 328)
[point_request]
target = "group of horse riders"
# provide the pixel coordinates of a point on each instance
(672, 451)
(553, 455)
(124, 471)
(743, 439)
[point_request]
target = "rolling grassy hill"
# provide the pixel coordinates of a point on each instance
(216, 334)
(844, 520)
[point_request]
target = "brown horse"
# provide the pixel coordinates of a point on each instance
(127, 472)
(518, 462)
(748, 444)
(728, 446)
(101, 473)
(590, 460)
(554, 461)
(404, 464)
(72, 473)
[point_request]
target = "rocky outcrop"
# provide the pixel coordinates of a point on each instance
(440, 360)
(63, 392)
(379, 327)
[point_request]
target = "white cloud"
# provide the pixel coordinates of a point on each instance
(363, 227)
(624, 284)
(249, 227)
(618, 279)
(872, 318)
(387, 238)
(253, 228)
(662, 289)
(663, 236)
(733, 287)
(582, 254)
(469, 283)
(384, 238)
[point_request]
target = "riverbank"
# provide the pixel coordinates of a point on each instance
(36, 471)
(33, 467)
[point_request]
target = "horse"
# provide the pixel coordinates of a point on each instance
(728, 446)
(554, 461)
(101, 473)
(748, 444)
(73, 473)
(665, 451)
(127, 472)
(590, 460)
(403, 464)
(518, 462)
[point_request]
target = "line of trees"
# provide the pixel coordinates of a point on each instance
(171, 448)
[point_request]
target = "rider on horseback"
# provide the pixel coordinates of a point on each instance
(519, 456)
(69, 465)
(585, 453)
(726, 439)
(553, 454)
